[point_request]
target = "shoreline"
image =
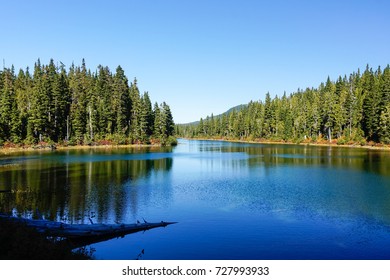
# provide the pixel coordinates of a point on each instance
(10, 150)
(383, 147)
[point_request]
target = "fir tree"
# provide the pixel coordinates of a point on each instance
(121, 101)
(10, 121)
(135, 111)
(370, 105)
(148, 113)
(76, 106)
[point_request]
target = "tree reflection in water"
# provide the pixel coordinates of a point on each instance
(64, 188)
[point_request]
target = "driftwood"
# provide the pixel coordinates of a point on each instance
(84, 234)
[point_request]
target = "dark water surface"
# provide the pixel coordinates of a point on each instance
(231, 200)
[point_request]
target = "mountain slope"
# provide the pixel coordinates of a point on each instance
(235, 108)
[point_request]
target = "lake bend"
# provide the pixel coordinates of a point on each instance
(230, 200)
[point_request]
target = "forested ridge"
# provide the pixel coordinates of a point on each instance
(53, 105)
(350, 110)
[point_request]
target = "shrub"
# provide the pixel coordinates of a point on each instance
(342, 140)
(172, 141)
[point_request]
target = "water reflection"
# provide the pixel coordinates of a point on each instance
(62, 187)
(269, 155)
(289, 201)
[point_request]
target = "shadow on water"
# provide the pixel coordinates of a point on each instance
(64, 187)
(79, 242)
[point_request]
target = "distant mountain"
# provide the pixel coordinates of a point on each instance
(235, 108)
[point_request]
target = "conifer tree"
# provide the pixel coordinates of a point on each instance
(41, 97)
(267, 115)
(169, 124)
(76, 106)
(157, 126)
(9, 115)
(135, 111)
(121, 101)
(78, 110)
(384, 132)
(148, 113)
(23, 85)
(354, 108)
(385, 87)
(370, 105)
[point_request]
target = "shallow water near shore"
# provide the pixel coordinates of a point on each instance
(231, 200)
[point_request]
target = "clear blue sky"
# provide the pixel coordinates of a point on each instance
(202, 57)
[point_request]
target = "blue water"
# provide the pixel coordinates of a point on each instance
(231, 200)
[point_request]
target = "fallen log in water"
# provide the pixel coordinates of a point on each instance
(74, 231)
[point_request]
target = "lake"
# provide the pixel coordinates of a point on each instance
(231, 200)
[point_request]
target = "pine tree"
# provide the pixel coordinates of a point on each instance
(106, 116)
(267, 127)
(40, 117)
(60, 104)
(135, 111)
(148, 113)
(224, 125)
(329, 103)
(143, 121)
(384, 131)
(339, 106)
(121, 101)
(200, 130)
(78, 108)
(385, 125)
(10, 121)
(370, 105)
(355, 108)
(385, 87)
(23, 89)
(157, 126)
(169, 124)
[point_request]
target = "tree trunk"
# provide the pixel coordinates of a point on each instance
(90, 122)
(67, 128)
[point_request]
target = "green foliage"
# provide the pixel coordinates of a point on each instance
(385, 125)
(171, 141)
(77, 107)
(350, 110)
(164, 126)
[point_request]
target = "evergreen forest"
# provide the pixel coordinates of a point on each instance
(354, 109)
(77, 106)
